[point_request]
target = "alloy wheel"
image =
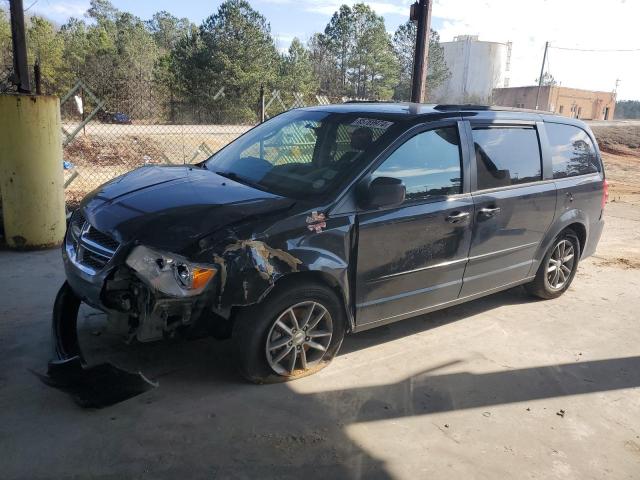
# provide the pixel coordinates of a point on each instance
(560, 264)
(299, 338)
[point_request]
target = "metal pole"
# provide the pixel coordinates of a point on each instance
(37, 77)
(544, 61)
(262, 112)
(18, 37)
(421, 12)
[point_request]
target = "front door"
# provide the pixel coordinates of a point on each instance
(514, 206)
(413, 257)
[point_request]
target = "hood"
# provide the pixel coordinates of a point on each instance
(170, 208)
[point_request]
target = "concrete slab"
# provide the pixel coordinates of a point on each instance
(503, 387)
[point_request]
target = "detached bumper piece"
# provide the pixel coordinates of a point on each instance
(91, 387)
(97, 386)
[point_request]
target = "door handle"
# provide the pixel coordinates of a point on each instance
(490, 212)
(457, 217)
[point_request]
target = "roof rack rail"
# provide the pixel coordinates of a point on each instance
(497, 108)
(369, 101)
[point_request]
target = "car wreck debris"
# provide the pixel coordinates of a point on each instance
(97, 386)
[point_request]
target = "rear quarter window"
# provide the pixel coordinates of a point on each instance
(572, 151)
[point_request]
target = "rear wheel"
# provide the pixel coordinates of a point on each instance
(558, 267)
(295, 332)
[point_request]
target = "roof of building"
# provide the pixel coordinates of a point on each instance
(562, 87)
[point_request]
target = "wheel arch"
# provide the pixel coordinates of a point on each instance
(575, 220)
(319, 277)
(581, 232)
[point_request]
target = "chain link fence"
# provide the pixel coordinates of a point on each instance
(114, 126)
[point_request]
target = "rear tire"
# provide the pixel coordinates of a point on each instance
(294, 332)
(558, 267)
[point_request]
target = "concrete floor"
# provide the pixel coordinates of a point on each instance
(475, 391)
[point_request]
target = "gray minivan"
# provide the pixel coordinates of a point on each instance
(335, 219)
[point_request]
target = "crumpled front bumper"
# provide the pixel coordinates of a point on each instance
(87, 286)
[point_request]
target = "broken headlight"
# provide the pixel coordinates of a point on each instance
(170, 274)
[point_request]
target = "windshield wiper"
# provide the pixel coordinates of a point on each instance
(237, 178)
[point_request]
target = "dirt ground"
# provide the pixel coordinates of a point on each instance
(502, 387)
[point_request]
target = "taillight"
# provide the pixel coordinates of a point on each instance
(605, 193)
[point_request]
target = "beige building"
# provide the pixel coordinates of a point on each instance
(569, 102)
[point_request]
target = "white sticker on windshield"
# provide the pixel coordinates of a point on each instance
(371, 123)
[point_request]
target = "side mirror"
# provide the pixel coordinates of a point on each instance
(383, 192)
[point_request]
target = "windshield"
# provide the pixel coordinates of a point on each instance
(303, 153)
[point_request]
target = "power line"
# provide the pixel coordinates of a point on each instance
(606, 50)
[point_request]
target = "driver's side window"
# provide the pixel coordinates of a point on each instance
(429, 164)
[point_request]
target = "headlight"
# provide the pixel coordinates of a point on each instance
(169, 273)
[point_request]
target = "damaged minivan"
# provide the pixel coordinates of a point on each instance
(334, 219)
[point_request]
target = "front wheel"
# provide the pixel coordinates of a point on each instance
(295, 332)
(558, 267)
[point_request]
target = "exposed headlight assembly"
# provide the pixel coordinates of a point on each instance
(170, 273)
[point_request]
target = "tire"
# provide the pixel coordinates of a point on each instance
(547, 288)
(255, 326)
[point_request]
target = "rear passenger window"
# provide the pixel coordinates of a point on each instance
(506, 156)
(572, 151)
(428, 164)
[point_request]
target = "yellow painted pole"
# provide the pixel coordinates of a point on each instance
(31, 177)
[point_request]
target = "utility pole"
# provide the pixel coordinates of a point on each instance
(544, 61)
(421, 13)
(20, 67)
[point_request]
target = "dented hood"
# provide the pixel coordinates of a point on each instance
(172, 207)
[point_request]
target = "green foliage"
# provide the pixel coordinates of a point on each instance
(46, 47)
(547, 80)
(354, 56)
(168, 67)
(296, 71)
(628, 109)
(167, 30)
(404, 43)
(5, 38)
(232, 50)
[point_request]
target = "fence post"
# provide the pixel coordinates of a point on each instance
(37, 76)
(262, 103)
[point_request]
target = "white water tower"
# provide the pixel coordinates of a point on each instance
(475, 69)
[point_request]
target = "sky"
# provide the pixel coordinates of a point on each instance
(584, 24)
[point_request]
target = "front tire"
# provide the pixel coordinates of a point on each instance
(295, 332)
(558, 267)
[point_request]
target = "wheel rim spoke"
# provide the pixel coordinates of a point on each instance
(282, 326)
(303, 358)
(320, 333)
(317, 346)
(279, 343)
(292, 360)
(313, 323)
(283, 354)
(292, 315)
(309, 314)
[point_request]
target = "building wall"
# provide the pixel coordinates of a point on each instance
(475, 68)
(569, 102)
